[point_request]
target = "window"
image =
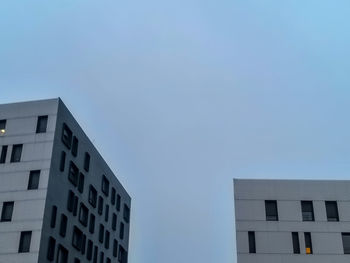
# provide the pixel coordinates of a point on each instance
(346, 242)
(307, 211)
(51, 249)
(92, 224)
(63, 161)
(123, 255)
(108, 260)
(107, 213)
(308, 243)
(113, 196)
(87, 162)
(63, 225)
(89, 250)
(296, 244)
(75, 146)
(81, 183)
(251, 240)
(62, 255)
(2, 127)
(77, 239)
(41, 124)
(102, 255)
(16, 153)
(70, 201)
(271, 210)
(121, 230)
(105, 185)
(332, 211)
(118, 202)
(126, 213)
(83, 244)
(100, 205)
(24, 242)
(53, 216)
(83, 214)
(3, 154)
(114, 221)
(107, 235)
(115, 248)
(92, 196)
(75, 206)
(7, 210)
(73, 174)
(95, 254)
(101, 233)
(33, 182)
(67, 136)
(76, 260)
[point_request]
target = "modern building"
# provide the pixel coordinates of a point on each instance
(59, 200)
(292, 221)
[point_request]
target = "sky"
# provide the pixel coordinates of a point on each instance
(180, 97)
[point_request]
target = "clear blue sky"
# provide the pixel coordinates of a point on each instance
(182, 96)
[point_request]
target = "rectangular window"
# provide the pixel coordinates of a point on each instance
(126, 213)
(83, 244)
(101, 233)
(76, 260)
(41, 124)
(114, 221)
(271, 210)
(332, 211)
(53, 216)
(251, 239)
(115, 248)
(296, 244)
(102, 255)
(87, 162)
(118, 202)
(108, 260)
(92, 224)
(33, 182)
(113, 196)
(105, 185)
(75, 206)
(75, 146)
(7, 210)
(106, 213)
(3, 154)
(24, 242)
(123, 255)
(51, 249)
(16, 153)
(62, 255)
(308, 243)
(83, 214)
(95, 254)
(100, 205)
(346, 242)
(107, 235)
(121, 230)
(81, 183)
(63, 225)
(67, 136)
(2, 127)
(89, 250)
(73, 174)
(307, 211)
(63, 161)
(70, 201)
(77, 238)
(92, 196)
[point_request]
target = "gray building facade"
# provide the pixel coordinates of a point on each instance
(59, 200)
(292, 221)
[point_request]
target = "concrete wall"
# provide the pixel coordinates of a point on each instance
(273, 238)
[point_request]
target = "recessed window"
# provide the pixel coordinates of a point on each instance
(271, 210)
(2, 127)
(102, 255)
(100, 205)
(81, 183)
(51, 249)
(83, 244)
(62, 255)
(115, 248)
(308, 243)
(7, 210)
(83, 214)
(92, 196)
(87, 162)
(3, 154)
(332, 211)
(75, 146)
(126, 213)
(92, 224)
(107, 213)
(89, 250)
(16, 153)
(307, 211)
(113, 196)
(33, 182)
(123, 255)
(107, 235)
(101, 233)
(95, 254)
(346, 242)
(73, 174)
(114, 221)
(108, 260)
(251, 241)
(41, 124)
(67, 136)
(121, 230)
(76, 260)
(77, 238)
(70, 201)
(53, 216)
(118, 202)
(63, 161)
(63, 225)
(75, 206)
(24, 242)
(105, 185)
(296, 243)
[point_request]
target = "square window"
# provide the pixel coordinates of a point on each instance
(75, 146)
(87, 162)
(41, 124)
(105, 185)
(24, 242)
(271, 210)
(3, 154)
(92, 196)
(2, 127)
(16, 153)
(7, 210)
(33, 182)
(67, 136)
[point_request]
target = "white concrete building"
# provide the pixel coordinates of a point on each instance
(59, 201)
(292, 221)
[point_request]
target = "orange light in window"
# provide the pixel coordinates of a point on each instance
(308, 250)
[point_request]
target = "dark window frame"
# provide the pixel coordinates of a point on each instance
(271, 210)
(25, 242)
(41, 124)
(7, 211)
(16, 154)
(34, 180)
(332, 216)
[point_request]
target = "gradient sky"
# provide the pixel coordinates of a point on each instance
(180, 97)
